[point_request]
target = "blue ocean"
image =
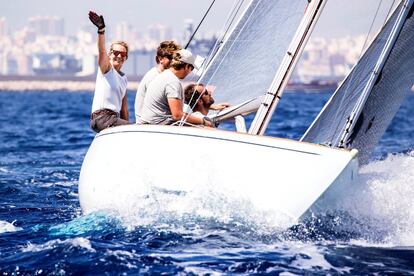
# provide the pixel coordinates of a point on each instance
(44, 138)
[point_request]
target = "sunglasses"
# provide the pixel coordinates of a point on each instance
(205, 92)
(122, 53)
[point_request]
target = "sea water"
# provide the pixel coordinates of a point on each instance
(45, 135)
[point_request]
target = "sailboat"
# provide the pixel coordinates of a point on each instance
(283, 177)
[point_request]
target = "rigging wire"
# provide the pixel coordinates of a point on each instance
(219, 41)
(199, 24)
(388, 13)
(230, 19)
(359, 104)
(229, 22)
(359, 78)
(234, 41)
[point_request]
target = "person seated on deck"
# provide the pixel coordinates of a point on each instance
(199, 100)
(165, 52)
(110, 105)
(163, 103)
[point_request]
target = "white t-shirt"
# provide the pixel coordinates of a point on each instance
(187, 109)
(156, 109)
(110, 89)
(142, 90)
(198, 114)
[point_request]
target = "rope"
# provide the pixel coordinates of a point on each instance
(230, 19)
(199, 24)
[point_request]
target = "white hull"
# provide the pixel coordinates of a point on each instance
(275, 175)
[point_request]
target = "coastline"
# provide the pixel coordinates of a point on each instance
(54, 83)
(50, 86)
(87, 84)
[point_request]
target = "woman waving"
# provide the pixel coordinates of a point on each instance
(110, 105)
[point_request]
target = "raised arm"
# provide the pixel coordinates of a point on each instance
(103, 59)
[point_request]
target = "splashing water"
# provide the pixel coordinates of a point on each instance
(42, 231)
(376, 209)
(384, 196)
(8, 227)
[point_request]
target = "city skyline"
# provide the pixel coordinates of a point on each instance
(43, 47)
(340, 17)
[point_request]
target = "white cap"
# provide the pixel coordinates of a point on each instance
(187, 57)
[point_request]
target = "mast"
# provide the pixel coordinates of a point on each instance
(289, 61)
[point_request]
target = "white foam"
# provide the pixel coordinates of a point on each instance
(312, 257)
(76, 242)
(123, 256)
(194, 270)
(163, 208)
(286, 273)
(309, 256)
(8, 227)
(383, 199)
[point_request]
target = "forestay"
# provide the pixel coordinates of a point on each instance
(376, 103)
(245, 65)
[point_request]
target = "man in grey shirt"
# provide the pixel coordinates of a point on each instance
(163, 58)
(163, 103)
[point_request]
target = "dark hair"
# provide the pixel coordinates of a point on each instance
(167, 49)
(191, 95)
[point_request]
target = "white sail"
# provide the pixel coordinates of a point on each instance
(275, 91)
(244, 66)
(358, 113)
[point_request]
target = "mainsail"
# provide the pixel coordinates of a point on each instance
(254, 50)
(360, 110)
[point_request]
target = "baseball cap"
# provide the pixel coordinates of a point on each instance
(187, 57)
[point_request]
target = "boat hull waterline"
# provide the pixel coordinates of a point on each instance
(278, 176)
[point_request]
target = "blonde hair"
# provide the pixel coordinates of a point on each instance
(176, 63)
(167, 49)
(122, 43)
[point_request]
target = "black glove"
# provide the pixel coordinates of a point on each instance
(98, 21)
(213, 121)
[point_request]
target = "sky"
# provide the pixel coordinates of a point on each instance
(340, 17)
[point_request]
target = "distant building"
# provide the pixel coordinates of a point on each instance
(159, 32)
(139, 62)
(202, 47)
(47, 25)
(8, 64)
(24, 36)
(55, 64)
(3, 31)
(188, 30)
(123, 30)
(89, 65)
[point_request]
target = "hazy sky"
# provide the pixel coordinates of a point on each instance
(340, 17)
